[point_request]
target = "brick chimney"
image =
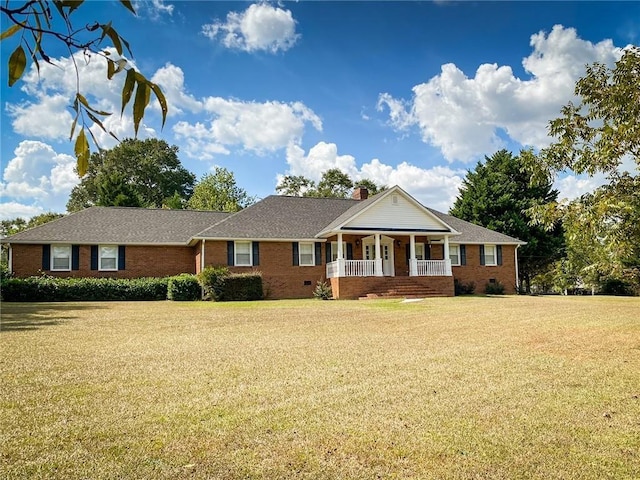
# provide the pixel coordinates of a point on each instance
(360, 193)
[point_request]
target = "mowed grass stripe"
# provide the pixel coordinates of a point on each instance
(465, 387)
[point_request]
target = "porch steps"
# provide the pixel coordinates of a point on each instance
(401, 287)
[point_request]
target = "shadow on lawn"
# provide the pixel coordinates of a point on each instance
(32, 316)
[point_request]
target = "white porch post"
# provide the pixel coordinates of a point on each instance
(447, 256)
(378, 267)
(518, 274)
(10, 259)
(202, 254)
(341, 264)
(413, 264)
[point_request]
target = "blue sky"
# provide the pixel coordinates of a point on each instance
(406, 93)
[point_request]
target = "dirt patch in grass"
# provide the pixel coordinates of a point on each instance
(466, 387)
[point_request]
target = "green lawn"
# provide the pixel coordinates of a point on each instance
(445, 388)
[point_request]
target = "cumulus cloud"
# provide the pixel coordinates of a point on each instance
(435, 187)
(261, 27)
(38, 172)
(252, 126)
(463, 116)
(11, 210)
(154, 9)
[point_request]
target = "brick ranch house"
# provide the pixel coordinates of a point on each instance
(384, 244)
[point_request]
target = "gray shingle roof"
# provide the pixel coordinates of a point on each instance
(274, 218)
(122, 225)
(472, 233)
(281, 217)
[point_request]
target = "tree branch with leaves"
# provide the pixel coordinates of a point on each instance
(37, 23)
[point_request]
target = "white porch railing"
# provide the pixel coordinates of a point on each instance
(367, 268)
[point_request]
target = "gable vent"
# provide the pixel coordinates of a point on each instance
(394, 199)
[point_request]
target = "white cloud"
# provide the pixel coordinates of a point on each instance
(435, 187)
(171, 80)
(11, 210)
(259, 27)
(153, 9)
(38, 172)
(255, 127)
(462, 116)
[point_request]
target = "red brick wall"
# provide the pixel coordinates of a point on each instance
(141, 261)
(281, 279)
(480, 274)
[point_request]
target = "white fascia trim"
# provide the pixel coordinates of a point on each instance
(236, 239)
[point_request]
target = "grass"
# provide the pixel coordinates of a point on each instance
(445, 388)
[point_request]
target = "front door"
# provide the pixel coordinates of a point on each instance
(386, 251)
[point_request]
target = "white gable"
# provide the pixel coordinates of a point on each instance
(395, 211)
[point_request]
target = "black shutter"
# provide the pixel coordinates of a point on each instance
(327, 252)
(427, 251)
(121, 258)
(482, 255)
(463, 255)
(75, 257)
(255, 246)
(230, 253)
(318, 254)
(499, 254)
(296, 257)
(46, 257)
(408, 253)
(349, 251)
(94, 257)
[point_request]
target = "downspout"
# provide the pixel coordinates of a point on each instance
(517, 274)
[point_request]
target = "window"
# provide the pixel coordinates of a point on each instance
(108, 258)
(306, 252)
(61, 257)
(243, 254)
(454, 254)
(490, 257)
(420, 251)
(334, 250)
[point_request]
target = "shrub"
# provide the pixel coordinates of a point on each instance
(323, 291)
(184, 287)
(4, 271)
(50, 289)
(211, 279)
(616, 286)
(464, 288)
(240, 287)
(494, 288)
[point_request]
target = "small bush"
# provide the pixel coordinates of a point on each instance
(464, 288)
(616, 286)
(4, 271)
(323, 291)
(495, 288)
(45, 288)
(241, 287)
(184, 287)
(211, 279)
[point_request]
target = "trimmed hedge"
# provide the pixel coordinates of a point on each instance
(221, 285)
(241, 287)
(51, 289)
(184, 287)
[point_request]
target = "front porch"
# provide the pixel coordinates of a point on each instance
(374, 268)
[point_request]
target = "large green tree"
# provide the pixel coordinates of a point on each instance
(498, 195)
(36, 25)
(334, 183)
(219, 191)
(596, 135)
(148, 169)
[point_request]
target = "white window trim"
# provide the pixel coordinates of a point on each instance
(457, 247)
(495, 256)
(313, 254)
(424, 250)
(334, 250)
(67, 269)
(235, 253)
(100, 267)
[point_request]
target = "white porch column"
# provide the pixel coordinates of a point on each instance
(340, 260)
(10, 259)
(518, 273)
(378, 268)
(447, 257)
(202, 254)
(413, 264)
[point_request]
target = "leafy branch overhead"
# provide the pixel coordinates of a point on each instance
(36, 23)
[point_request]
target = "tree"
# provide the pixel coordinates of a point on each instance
(114, 191)
(150, 169)
(333, 183)
(497, 195)
(16, 225)
(597, 135)
(38, 25)
(218, 191)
